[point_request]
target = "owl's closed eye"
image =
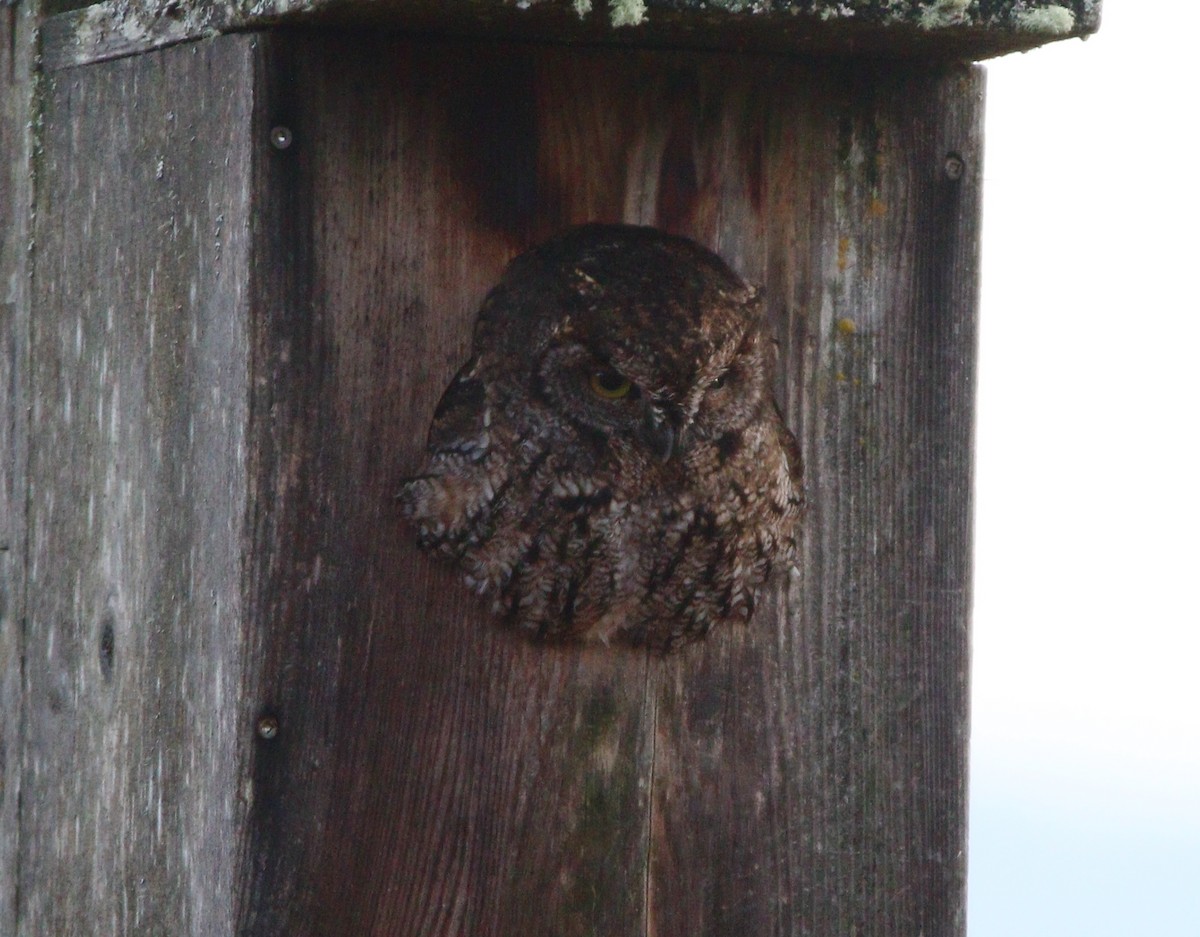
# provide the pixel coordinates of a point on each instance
(610, 464)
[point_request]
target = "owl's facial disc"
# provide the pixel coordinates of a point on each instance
(593, 396)
(661, 425)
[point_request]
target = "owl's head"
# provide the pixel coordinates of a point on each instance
(639, 341)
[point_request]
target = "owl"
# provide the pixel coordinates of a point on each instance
(610, 464)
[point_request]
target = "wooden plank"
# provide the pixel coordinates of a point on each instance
(135, 746)
(945, 29)
(436, 775)
(838, 736)
(16, 100)
(425, 757)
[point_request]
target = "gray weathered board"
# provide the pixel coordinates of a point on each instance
(16, 27)
(236, 350)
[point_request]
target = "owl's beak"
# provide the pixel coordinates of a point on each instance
(659, 434)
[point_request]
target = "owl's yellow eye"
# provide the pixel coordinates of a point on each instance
(610, 385)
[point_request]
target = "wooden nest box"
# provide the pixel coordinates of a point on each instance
(244, 245)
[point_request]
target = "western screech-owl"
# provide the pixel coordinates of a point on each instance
(610, 462)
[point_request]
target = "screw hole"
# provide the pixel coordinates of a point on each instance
(268, 727)
(954, 167)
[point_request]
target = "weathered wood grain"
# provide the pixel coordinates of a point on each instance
(236, 352)
(921, 29)
(16, 106)
(837, 735)
(133, 764)
(806, 776)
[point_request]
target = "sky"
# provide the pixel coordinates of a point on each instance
(1085, 778)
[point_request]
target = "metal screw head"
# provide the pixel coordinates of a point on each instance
(281, 137)
(954, 167)
(268, 727)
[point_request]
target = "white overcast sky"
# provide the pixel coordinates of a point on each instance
(1085, 814)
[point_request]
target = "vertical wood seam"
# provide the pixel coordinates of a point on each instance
(23, 43)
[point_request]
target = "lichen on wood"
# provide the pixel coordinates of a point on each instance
(934, 29)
